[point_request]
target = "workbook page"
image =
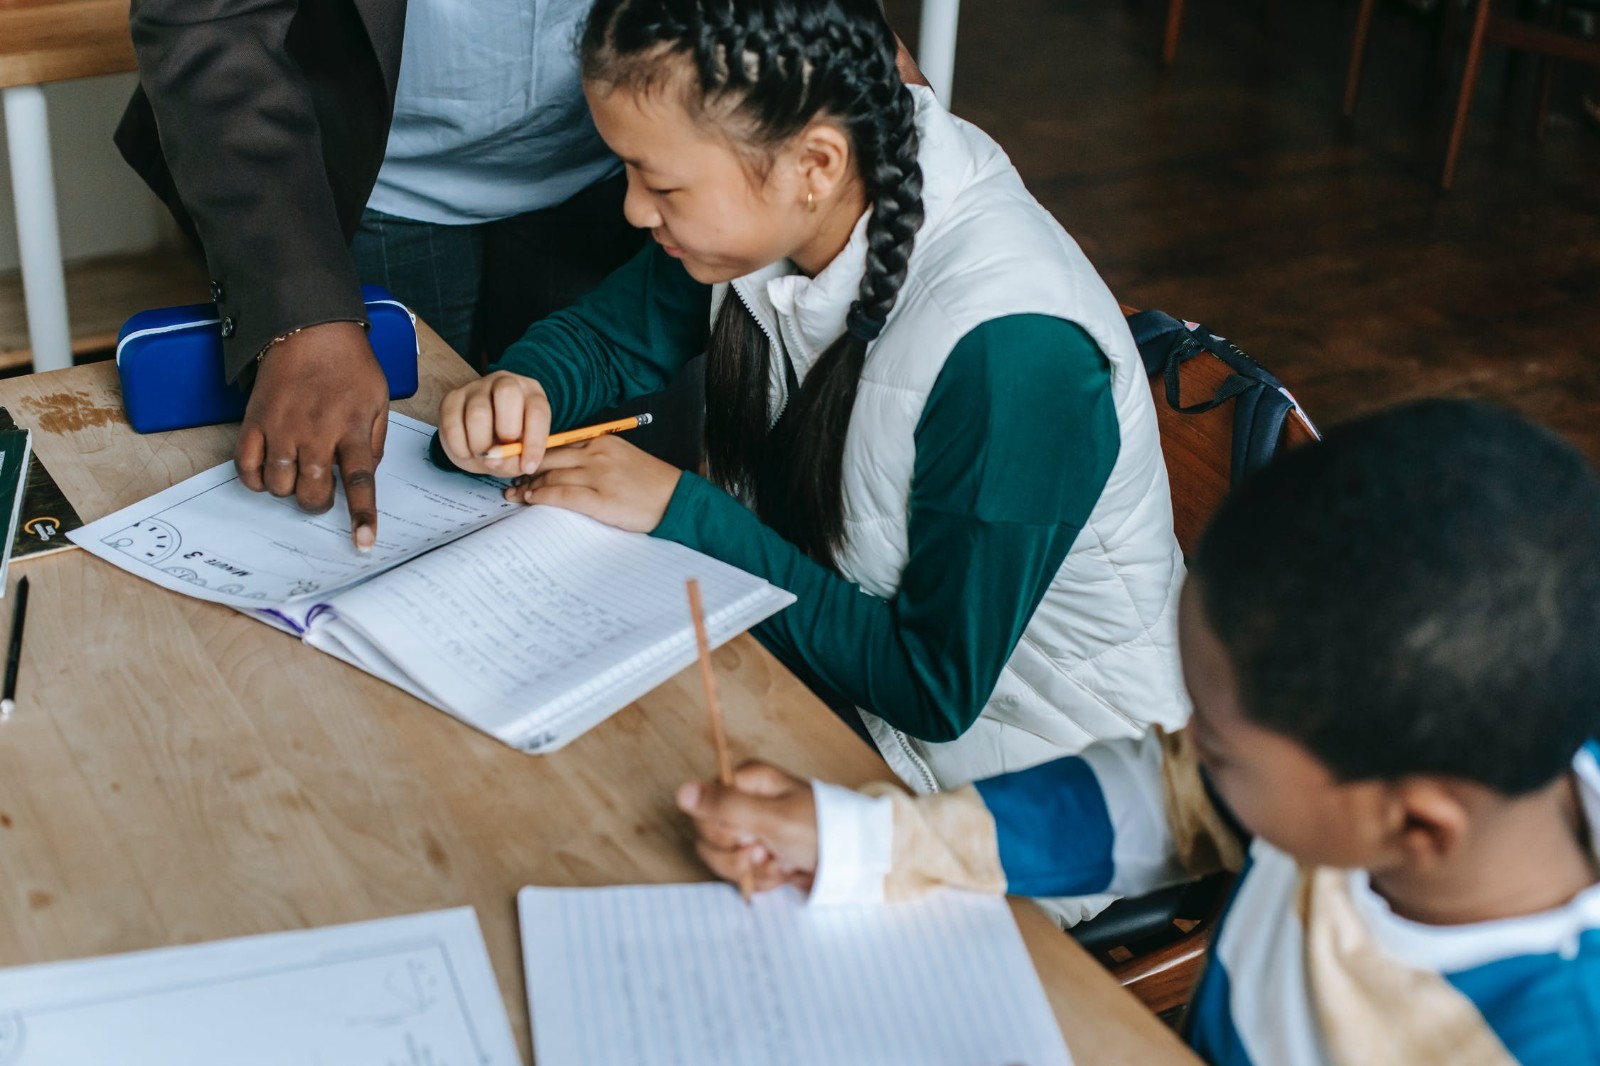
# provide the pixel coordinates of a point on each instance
(212, 538)
(691, 974)
(413, 991)
(538, 626)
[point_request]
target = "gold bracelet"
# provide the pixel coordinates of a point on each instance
(262, 354)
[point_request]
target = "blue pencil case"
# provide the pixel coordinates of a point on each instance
(170, 362)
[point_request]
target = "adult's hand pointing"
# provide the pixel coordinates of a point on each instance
(320, 401)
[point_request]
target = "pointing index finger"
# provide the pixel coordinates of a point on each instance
(358, 471)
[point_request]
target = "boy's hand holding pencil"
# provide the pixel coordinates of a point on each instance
(762, 827)
(757, 825)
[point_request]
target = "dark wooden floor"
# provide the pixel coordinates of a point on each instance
(1227, 190)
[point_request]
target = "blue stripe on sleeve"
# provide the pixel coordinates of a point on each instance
(1211, 1031)
(1544, 1008)
(1053, 829)
(1209, 1026)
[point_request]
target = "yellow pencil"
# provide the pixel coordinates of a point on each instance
(719, 737)
(571, 436)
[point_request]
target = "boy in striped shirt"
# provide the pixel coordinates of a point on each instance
(1392, 643)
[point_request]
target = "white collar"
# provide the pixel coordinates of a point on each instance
(814, 309)
(809, 313)
(1452, 948)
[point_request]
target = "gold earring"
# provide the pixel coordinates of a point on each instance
(811, 201)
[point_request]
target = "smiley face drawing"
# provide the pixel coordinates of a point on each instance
(149, 540)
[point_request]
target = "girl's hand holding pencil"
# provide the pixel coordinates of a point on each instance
(607, 479)
(572, 436)
(500, 425)
(496, 409)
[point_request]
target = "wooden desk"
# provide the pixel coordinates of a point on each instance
(43, 41)
(176, 772)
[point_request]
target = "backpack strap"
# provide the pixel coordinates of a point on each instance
(1261, 403)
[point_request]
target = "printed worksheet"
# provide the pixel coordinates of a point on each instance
(412, 991)
(691, 975)
(212, 538)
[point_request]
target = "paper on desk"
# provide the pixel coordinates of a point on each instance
(539, 628)
(212, 538)
(413, 991)
(691, 974)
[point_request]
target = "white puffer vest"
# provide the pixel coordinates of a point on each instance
(1099, 657)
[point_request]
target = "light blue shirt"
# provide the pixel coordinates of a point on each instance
(489, 118)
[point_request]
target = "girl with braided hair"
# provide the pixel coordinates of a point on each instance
(925, 415)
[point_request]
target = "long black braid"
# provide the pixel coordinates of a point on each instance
(765, 70)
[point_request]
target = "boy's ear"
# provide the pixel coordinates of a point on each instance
(824, 159)
(1431, 821)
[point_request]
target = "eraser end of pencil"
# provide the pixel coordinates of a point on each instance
(645, 420)
(6, 707)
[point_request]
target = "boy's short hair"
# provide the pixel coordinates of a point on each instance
(1417, 594)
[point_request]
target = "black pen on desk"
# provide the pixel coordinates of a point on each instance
(19, 617)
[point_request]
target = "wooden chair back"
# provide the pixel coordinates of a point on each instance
(1161, 964)
(1199, 447)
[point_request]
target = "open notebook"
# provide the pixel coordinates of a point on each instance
(658, 975)
(532, 624)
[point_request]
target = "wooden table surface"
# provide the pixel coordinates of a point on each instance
(176, 772)
(56, 40)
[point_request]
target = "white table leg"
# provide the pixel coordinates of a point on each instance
(936, 45)
(44, 284)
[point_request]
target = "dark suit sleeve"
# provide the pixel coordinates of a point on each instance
(241, 139)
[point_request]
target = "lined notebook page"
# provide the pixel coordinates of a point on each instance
(534, 628)
(689, 974)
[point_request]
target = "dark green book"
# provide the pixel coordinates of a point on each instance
(16, 448)
(46, 516)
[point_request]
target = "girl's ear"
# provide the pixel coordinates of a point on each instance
(1431, 823)
(825, 162)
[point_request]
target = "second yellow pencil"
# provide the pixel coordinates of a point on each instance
(708, 677)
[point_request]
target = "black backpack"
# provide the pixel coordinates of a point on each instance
(1261, 403)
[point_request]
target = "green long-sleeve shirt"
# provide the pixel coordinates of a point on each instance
(1013, 448)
